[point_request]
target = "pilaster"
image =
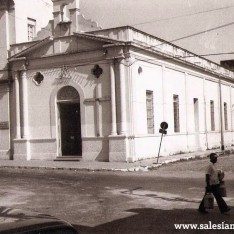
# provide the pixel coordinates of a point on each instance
(17, 105)
(4, 32)
(123, 110)
(113, 100)
(25, 104)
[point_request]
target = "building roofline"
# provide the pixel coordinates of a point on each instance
(38, 44)
(97, 37)
(155, 37)
(205, 64)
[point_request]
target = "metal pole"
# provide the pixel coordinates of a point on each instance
(159, 147)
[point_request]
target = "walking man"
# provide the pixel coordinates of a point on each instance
(213, 186)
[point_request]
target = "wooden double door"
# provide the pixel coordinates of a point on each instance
(70, 129)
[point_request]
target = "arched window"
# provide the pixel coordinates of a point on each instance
(68, 93)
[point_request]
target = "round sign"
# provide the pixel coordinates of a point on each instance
(164, 125)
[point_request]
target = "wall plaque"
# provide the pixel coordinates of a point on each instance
(4, 125)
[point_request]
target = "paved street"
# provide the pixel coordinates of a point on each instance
(118, 202)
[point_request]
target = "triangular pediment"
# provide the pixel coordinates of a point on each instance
(23, 50)
(79, 42)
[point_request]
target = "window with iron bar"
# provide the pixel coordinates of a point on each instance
(176, 113)
(225, 116)
(212, 115)
(31, 29)
(150, 111)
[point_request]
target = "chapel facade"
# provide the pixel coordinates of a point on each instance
(81, 92)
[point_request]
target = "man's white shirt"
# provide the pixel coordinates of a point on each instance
(213, 172)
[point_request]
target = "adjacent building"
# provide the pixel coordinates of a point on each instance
(20, 21)
(78, 91)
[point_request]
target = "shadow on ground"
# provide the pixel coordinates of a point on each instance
(161, 221)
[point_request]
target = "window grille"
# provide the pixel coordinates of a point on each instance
(31, 29)
(150, 112)
(196, 114)
(225, 116)
(176, 113)
(68, 93)
(212, 116)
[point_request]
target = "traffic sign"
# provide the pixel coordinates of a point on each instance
(162, 131)
(164, 125)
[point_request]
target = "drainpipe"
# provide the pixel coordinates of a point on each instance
(221, 115)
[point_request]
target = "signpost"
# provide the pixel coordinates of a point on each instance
(164, 126)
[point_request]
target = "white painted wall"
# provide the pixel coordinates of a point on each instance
(165, 78)
(40, 10)
(188, 84)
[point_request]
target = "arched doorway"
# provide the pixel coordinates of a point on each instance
(69, 125)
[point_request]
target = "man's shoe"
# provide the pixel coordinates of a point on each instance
(203, 211)
(227, 210)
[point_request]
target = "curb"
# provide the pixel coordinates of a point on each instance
(166, 162)
(182, 159)
(139, 168)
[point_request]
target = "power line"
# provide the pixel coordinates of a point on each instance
(185, 15)
(203, 55)
(103, 61)
(179, 57)
(44, 28)
(182, 38)
(205, 31)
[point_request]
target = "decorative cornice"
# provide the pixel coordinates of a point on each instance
(31, 48)
(98, 38)
(143, 42)
(74, 9)
(19, 64)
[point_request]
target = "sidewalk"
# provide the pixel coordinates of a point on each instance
(143, 165)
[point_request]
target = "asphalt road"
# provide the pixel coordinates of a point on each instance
(118, 202)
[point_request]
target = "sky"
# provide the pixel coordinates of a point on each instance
(205, 26)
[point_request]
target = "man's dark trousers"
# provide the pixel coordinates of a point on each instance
(215, 189)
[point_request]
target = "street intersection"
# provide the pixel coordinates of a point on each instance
(119, 202)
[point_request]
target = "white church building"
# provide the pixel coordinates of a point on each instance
(76, 91)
